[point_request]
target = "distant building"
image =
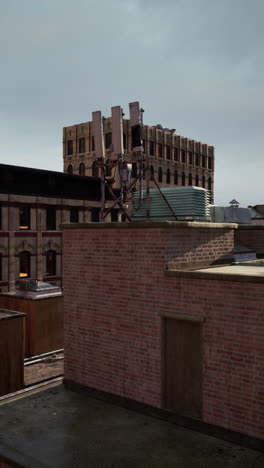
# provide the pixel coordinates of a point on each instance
(175, 160)
(33, 204)
(257, 214)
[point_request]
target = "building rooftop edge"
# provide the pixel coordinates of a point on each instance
(150, 225)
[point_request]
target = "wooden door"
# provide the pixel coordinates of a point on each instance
(182, 366)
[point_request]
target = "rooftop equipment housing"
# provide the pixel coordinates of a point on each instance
(187, 203)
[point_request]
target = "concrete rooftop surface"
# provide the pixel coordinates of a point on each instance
(242, 269)
(58, 428)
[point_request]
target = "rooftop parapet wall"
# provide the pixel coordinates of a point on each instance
(251, 236)
(182, 241)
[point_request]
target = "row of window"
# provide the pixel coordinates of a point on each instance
(168, 177)
(51, 225)
(25, 264)
(24, 217)
(95, 169)
(170, 153)
(82, 144)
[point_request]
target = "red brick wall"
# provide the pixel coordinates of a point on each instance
(199, 244)
(115, 289)
(251, 237)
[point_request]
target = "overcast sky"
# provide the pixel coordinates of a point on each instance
(194, 65)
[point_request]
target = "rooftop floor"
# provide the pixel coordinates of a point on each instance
(58, 428)
(250, 272)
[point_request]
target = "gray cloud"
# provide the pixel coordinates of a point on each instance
(196, 65)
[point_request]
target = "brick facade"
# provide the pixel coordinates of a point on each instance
(117, 295)
(251, 236)
(181, 160)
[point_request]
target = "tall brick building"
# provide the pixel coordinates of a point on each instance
(175, 160)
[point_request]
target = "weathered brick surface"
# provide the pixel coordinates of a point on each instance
(253, 238)
(198, 244)
(115, 289)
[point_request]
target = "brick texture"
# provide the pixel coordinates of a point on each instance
(115, 291)
(253, 238)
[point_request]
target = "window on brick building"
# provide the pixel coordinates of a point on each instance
(24, 264)
(203, 181)
(108, 140)
(209, 183)
(1, 267)
(81, 145)
(210, 162)
(168, 177)
(134, 170)
(203, 160)
(183, 157)
(183, 178)
(144, 146)
(24, 217)
(123, 218)
(160, 150)
(82, 169)
(160, 175)
(168, 151)
(51, 218)
(176, 154)
(69, 147)
(190, 157)
(151, 148)
(1, 217)
(196, 159)
(51, 263)
(197, 180)
(95, 169)
(190, 179)
(151, 170)
(175, 177)
(74, 214)
(70, 169)
(95, 215)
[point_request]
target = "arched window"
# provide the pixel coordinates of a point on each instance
(190, 179)
(70, 169)
(24, 264)
(183, 178)
(168, 176)
(175, 177)
(134, 170)
(160, 175)
(95, 169)
(82, 169)
(203, 181)
(209, 183)
(197, 180)
(51, 263)
(108, 170)
(151, 170)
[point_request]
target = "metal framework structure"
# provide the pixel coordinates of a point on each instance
(118, 162)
